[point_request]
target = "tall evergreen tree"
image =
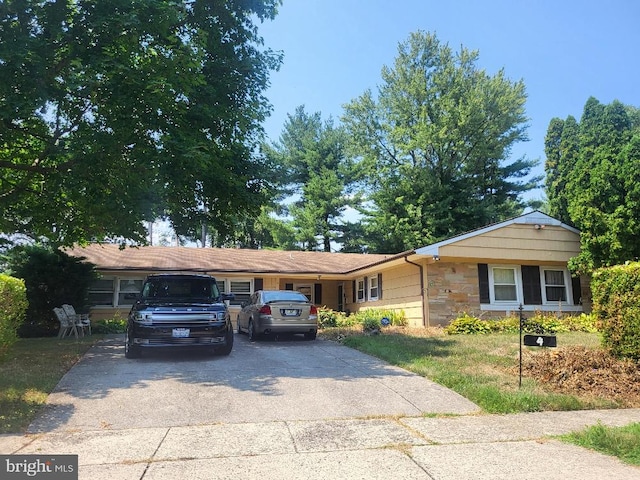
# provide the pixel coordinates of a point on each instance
(317, 171)
(435, 142)
(593, 177)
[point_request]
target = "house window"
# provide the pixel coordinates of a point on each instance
(101, 292)
(555, 288)
(360, 290)
(127, 287)
(505, 288)
(373, 288)
(241, 289)
(532, 286)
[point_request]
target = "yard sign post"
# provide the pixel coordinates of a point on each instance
(533, 341)
(521, 322)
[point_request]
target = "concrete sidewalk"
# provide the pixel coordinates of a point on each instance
(452, 448)
(403, 440)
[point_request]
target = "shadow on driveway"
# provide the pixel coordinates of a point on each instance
(287, 378)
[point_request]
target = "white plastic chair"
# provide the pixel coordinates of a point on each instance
(81, 320)
(67, 325)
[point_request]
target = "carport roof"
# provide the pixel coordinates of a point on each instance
(157, 258)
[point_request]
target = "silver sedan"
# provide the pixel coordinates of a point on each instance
(278, 311)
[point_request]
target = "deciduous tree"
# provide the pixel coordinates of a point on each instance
(114, 112)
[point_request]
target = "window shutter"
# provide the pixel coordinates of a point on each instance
(258, 284)
(483, 282)
(577, 290)
(379, 286)
(366, 289)
(317, 293)
(353, 289)
(531, 285)
(288, 286)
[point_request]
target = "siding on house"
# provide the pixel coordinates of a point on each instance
(400, 291)
(518, 242)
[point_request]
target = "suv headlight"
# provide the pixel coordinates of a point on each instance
(143, 318)
(216, 316)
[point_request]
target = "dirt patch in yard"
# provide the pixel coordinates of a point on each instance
(585, 372)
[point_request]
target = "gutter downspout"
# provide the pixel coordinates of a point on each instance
(424, 316)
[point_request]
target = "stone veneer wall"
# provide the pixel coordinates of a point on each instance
(452, 288)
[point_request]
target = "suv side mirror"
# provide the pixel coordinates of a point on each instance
(227, 296)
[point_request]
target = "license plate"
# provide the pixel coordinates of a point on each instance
(290, 312)
(180, 332)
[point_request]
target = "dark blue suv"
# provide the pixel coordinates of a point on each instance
(177, 310)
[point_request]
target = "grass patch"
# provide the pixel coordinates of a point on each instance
(621, 442)
(30, 371)
(482, 368)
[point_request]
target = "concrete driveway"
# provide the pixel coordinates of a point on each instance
(266, 381)
(294, 410)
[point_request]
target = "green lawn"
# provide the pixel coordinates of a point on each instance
(482, 368)
(30, 371)
(621, 442)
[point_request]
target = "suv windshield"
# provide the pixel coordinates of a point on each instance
(181, 288)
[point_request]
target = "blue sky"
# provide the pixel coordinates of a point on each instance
(564, 50)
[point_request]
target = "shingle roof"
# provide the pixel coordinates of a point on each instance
(157, 258)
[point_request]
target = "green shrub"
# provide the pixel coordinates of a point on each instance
(539, 323)
(467, 324)
(344, 320)
(542, 323)
(585, 322)
(327, 318)
(51, 278)
(110, 325)
(616, 305)
(13, 306)
(370, 323)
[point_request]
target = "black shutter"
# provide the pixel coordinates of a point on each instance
(483, 282)
(379, 286)
(353, 289)
(577, 290)
(531, 285)
(258, 284)
(366, 289)
(288, 286)
(317, 293)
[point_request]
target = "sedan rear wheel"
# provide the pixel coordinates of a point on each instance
(310, 335)
(253, 336)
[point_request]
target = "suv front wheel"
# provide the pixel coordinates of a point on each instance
(226, 350)
(129, 350)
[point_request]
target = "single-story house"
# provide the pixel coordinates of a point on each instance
(490, 271)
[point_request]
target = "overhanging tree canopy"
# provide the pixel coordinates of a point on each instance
(113, 112)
